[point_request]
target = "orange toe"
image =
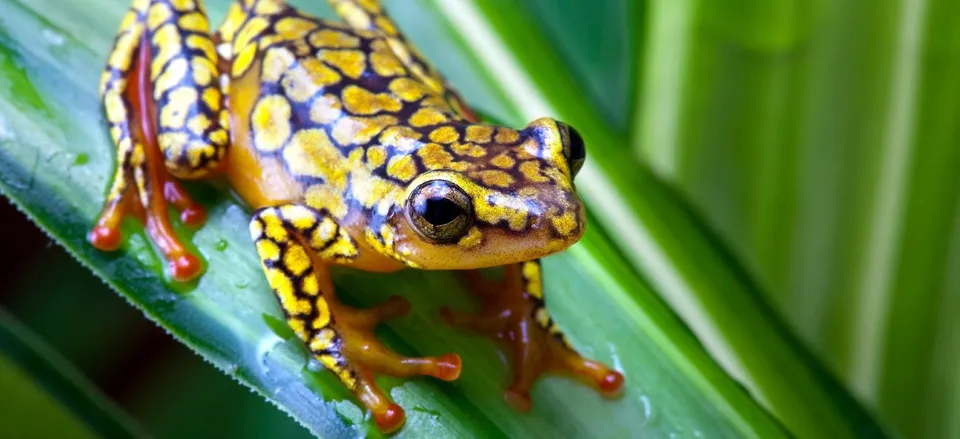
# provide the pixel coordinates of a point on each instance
(611, 384)
(104, 238)
(448, 367)
(185, 267)
(391, 419)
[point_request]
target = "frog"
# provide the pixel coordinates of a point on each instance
(351, 150)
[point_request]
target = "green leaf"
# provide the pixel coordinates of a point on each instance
(821, 138)
(605, 291)
(38, 384)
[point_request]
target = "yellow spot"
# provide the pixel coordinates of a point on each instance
(496, 178)
(386, 26)
(211, 97)
(325, 110)
(427, 116)
(323, 196)
(404, 139)
(479, 133)
(322, 340)
(122, 57)
(203, 72)
(503, 161)
(271, 123)
(195, 22)
(267, 7)
(319, 74)
(435, 156)
(298, 216)
(267, 249)
(311, 153)
(115, 108)
(531, 273)
(351, 62)
(358, 100)
(407, 89)
(507, 136)
(384, 61)
(332, 39)
(296, 260)
(198, 124)
(472, 239)
(564, 224)
(370, 190)
(323, 315)
(167, 39)
(291, 28)
(310, 286)
(243, 61)
(203, 44)
(444, 135)
(276, 62)
(298, 328)
(174, 113)
(402, 167)
(531, 170)
(376, 156)
(468, 149)
(360, 130)
(159, 14)
(170, 77)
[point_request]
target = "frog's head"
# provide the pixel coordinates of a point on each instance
(506, 203)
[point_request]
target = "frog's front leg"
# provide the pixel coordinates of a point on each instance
(296, 244)
(164, 107)
(513, 311)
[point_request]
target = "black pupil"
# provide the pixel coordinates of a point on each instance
(439, 211)
(577, 150)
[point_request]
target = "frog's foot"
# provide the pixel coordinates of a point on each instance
(367, 356)
(142, 185)
(513, 312)
(295, 244)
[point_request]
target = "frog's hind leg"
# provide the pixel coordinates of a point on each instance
(369, 15)
(513, 311)
(296, 244)
(165, 111)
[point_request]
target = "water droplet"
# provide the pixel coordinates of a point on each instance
(221, 245)
(5, 133)
(697, 433)
(426, 410)
(674, 435)
(242, 284)
(648, 413)
(52, 37)
(314, 366)
(81, 159)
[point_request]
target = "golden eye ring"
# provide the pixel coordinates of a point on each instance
(440, 211)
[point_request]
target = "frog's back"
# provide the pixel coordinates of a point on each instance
(329, 120)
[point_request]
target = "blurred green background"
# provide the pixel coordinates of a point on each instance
(819, 138)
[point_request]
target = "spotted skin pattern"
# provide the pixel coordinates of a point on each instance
(340, 135)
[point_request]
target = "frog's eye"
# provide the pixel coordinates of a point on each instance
(573, 148)
(440, 211)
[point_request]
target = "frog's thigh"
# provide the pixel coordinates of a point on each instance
(296, 244)
(165, 113)
(192, 117)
